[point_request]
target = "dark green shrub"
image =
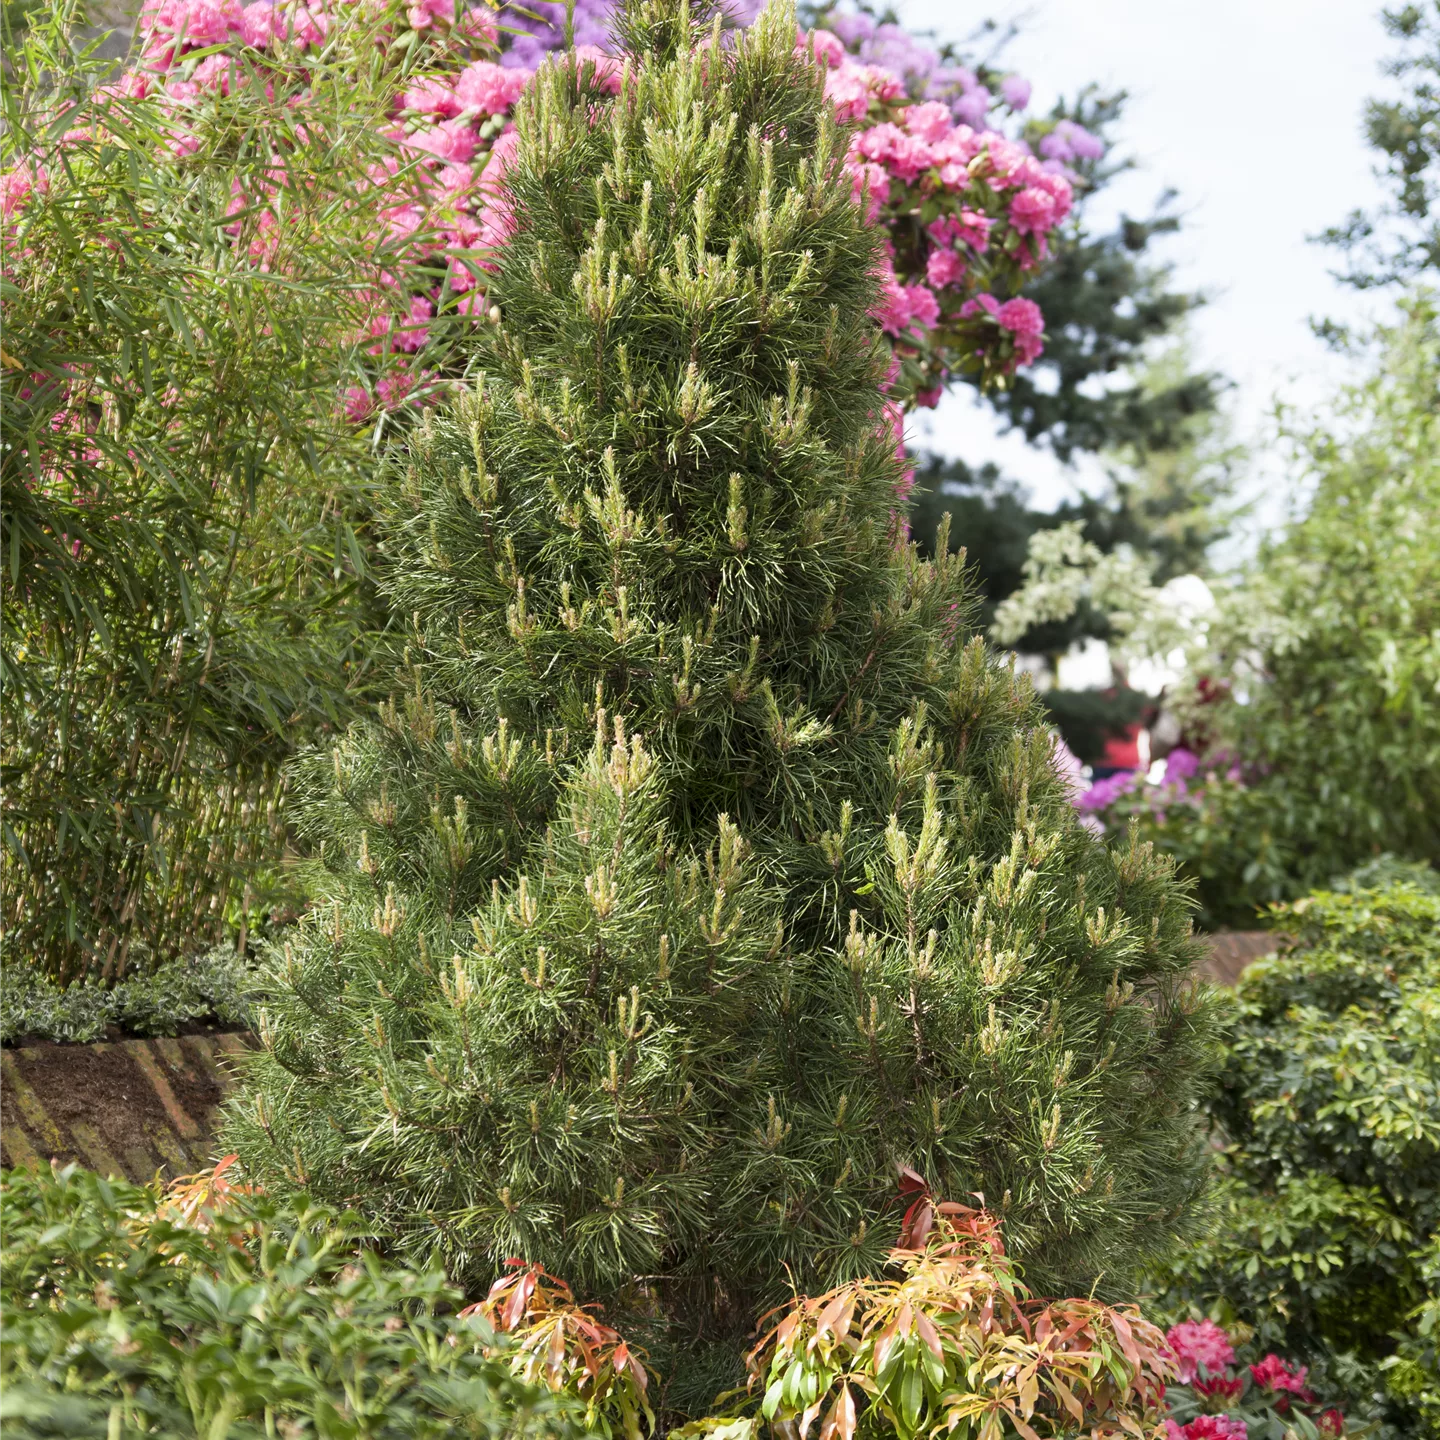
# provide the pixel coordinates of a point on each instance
(1329, 1105)
(706, 867)
(252, 1320)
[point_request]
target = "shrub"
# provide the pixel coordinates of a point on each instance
(663, 1008)
(219, 1313)
(1265, 1400)
(184, 514)
(1220, 831)
(1329, 1106)
(954, 1345)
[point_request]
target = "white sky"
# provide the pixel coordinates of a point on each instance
(1251, 110)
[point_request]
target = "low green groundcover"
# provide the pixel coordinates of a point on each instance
(212, 987)
(261, 1320)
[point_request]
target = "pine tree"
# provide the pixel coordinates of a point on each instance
(706, 867)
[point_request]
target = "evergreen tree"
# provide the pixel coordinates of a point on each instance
(707, 867)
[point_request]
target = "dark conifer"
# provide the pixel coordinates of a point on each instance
(705, 867)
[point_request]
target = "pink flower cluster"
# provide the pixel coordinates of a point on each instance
(991, 203)
(1208, 1427)
(1203, 1355)
(1197, 1343)
(1273, 1374)
(922, 142)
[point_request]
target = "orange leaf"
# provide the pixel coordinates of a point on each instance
(929, 1335)
(1126, 1338)
(839, 1424)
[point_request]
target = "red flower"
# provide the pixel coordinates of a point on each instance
(1215, 1427)
(1332, 1422)
(1273, 1374)
(1224, 1388)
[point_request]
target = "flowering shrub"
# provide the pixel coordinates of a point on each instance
(1212, 819)
(953, 1345)
(1215, 1399)
(1328, 1112)
(970, 211)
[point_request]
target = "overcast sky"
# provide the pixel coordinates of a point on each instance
(1251, 110)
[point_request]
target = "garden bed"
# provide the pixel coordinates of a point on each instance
(132, 1107)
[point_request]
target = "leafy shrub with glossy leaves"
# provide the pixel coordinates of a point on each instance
(1329, 1107)
(218, 1312)
(954, 1344)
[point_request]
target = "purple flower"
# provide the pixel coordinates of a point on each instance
(1015, 90)
(1180, 765)
(852, 29)
(1069, 141)
(972, 107)
(1103, 793)
(899, 51)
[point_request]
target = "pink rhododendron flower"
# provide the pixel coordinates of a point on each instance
(929, 122)
(1219, 1387)
(358, 404)
(944, 268)
(432, 95)
(969, 227)
(1025, 322)
(1273, 1374)
(424, 13)
(259, 24)
(852, 88)
(450, 140)
(608, 70)
(413, 333)
(1034, 211)
(1332, 1422)
(17, 186)
(394, 389)
(302, 25)
(1215, 1427)
(216, 72)
(198, 22)
(1200, 1342)
(829, 48)
(491, 89)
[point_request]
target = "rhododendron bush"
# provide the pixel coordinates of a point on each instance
(970, 211)
(1221, 1397)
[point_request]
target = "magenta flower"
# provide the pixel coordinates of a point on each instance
(1215, 1427)
(1273, 1374)
(1201, 1342)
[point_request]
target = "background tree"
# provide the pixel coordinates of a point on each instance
(705, 866)
(1400, 242)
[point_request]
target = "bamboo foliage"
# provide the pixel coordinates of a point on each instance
(184, 541)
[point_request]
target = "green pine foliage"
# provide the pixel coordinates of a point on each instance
(706, 866)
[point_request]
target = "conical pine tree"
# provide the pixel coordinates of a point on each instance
(706, 868)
